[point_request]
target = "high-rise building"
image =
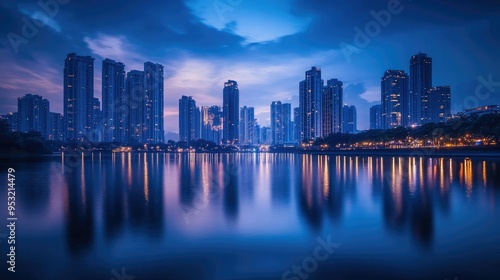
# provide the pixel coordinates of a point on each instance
(439, 104)
(135, 94)
(56, 127)
(188, 119)
(78, 97)
(33, 114)
(197, 123)
(332, 107)
(420, 84)
(277, 123)
(287, 124)
(231, 107)
(310, 104)
(153, 131)
(395, 101)
(282, 131)
(256, 133)
(296, 125)
(265, 135)
(247, 123)
(115, 117)
(349, 119)
(211, 124)
(376, 117)
(98, 123)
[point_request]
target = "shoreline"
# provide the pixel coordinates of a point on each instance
(418, 152)
(407, 152)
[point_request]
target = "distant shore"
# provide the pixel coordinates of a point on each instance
(482, 151)
(418, 152)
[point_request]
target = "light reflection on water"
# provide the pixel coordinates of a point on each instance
(252, 216)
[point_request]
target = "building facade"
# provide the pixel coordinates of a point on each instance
(153, 131)
(439, 104)
(188, 119)
(332, 107)
(349, 117)
(420, 85)
(115, 120)
(231, 107)
(135, 93)
(376, 117)
(247, 123)
(33, 114)
(78, 97)
(310, 104)
(212, 124)
(395, 99)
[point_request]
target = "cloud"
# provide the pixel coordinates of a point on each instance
(371, 95)
(274, 19)
(42, 19)
(23, 77)
(117, 48)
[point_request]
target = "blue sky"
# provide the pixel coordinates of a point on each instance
(264, 45)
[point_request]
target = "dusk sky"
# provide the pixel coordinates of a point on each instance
(266, 46)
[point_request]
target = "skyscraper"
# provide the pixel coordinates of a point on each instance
(296, 125)
(211, 124)
(78, 97)
(310, 104)
(154, 131)
(33, 114)
(231, 107)
(115, 124)
(256, 133)
(56, 127)
(332, 107)
(439, 104)
(247, 123)
(376, 117)
(395, 101)
(197, 123)
(349, 117)
(265, 135)
(97, 120)
(287, 123)
(135, 93)
(187, 119)
(420, 84)
(277, 123)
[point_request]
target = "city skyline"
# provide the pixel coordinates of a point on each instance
(266, 62)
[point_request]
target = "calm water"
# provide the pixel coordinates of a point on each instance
(251, 216)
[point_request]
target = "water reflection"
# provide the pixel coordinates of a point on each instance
(145, 195)
(121, 205)
(79, 208)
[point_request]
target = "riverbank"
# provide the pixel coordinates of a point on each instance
(418, 152)
(407, 152)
